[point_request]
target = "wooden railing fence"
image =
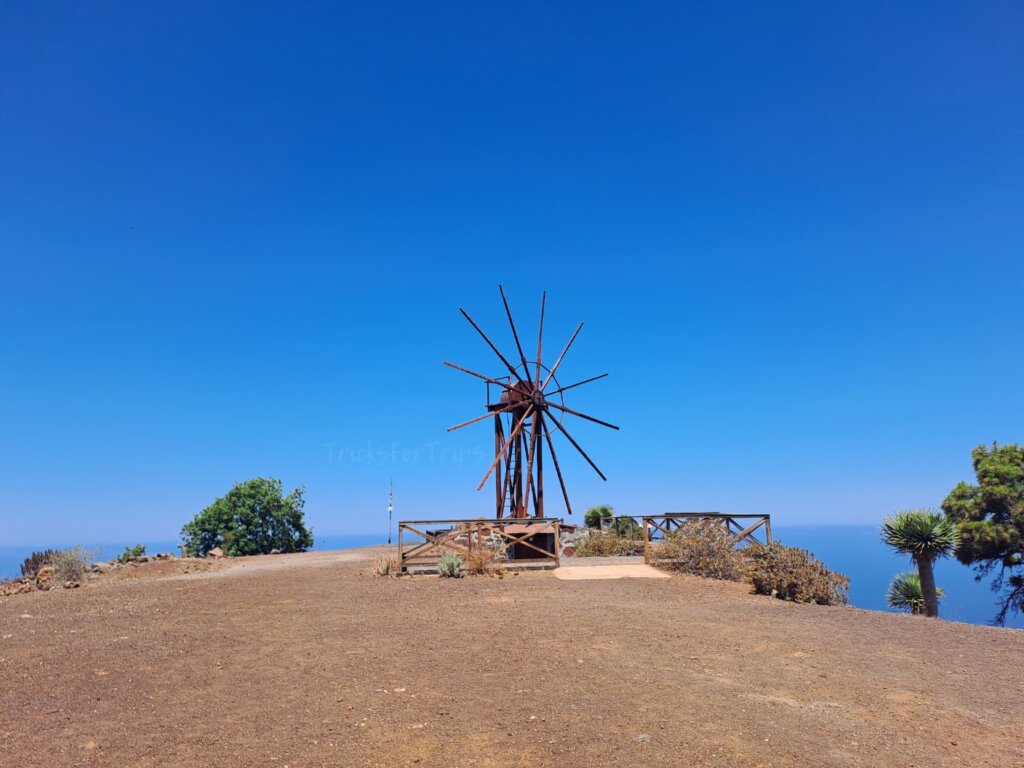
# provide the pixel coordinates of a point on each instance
(658, 527)
(422, 543)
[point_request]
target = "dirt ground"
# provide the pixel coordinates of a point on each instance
(307, 660)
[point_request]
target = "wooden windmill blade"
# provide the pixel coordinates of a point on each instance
(523, 419)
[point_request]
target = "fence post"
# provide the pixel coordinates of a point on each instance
(647, 541)
(558, 545)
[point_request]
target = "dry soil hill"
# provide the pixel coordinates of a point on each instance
(307, 660)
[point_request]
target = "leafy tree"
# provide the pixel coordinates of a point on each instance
(991, 519)
(926, 536)
(254, 518)
(593, 516)
(905, 593)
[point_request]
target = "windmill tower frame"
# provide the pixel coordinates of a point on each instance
(526, 401)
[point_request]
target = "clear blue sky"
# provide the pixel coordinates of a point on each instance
(234, 238)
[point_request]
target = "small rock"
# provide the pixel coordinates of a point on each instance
(275, 551)
(643, 738)
(71, 585)
(215, 552)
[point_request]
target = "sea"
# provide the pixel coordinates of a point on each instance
(856, 551)
(859, 552)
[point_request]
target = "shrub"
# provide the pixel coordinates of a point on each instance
(483, 559)
(626, 527)
(703, 548)
(449, 567)
(387, 565)
(607, 543)
(72, 563)
(35, 561)
(131, 552)
(592, 517)
(794, 574)
(254, 518)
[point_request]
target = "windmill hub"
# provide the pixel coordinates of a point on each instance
(518, 465)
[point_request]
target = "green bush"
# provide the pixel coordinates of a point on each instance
(701, 547)
(254, 518)
(72, 563)
(449, 567)
(592, 517)
(607, 543)
(794, 574)
(626, 527)
(131, 552)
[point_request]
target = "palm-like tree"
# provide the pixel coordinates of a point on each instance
(905, 593)
(926, 536)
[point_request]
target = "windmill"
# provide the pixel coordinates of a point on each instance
(526, 416)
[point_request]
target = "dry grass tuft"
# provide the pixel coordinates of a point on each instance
(387, 565)
(484, 561)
